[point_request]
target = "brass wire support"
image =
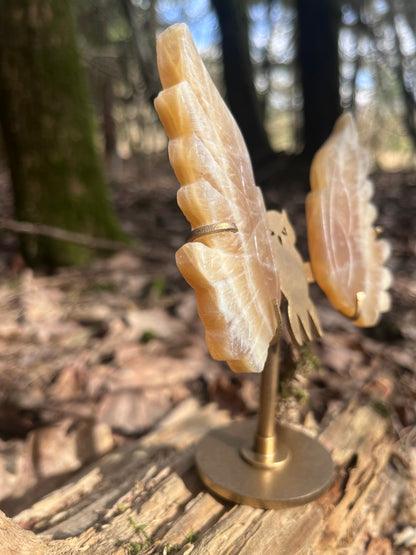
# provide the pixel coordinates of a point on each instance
(359, 302)
(210, 229)
(359, 296)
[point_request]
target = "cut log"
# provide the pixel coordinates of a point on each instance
(147, 498)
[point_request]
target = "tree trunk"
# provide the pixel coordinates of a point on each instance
(318, 24)
(144, 40)
(48, 131)
(409, 117)
(238, 77)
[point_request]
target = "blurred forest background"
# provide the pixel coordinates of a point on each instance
(286, 68)
(96, 350)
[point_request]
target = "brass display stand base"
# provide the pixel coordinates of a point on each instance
(262, 463)
(299, 477)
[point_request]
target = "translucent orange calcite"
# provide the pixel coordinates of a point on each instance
(233, 274)
(346, 256)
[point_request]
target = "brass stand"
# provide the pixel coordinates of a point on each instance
(282, 467)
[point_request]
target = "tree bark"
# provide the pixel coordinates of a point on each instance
(144, 45)
(146, 497)
(409, 117)
(48, 131)
(238, 77)
(318, 23)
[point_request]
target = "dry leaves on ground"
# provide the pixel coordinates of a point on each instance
(92, 357)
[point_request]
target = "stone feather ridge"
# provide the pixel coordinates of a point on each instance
(346, 256)
(233, 274)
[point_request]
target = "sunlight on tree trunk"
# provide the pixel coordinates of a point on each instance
(239, 79)
(48, 131)
(318, 24)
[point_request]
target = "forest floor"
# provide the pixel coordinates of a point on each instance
(93, 357)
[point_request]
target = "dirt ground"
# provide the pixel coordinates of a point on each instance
(92, 357)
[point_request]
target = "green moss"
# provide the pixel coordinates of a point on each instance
(191, 537)
(49, 131)
(158, 287)
(170, 549)
(103, 286)
(308, 360)
(147, 336)
(381, 408)
(131, 548)
(132, 523)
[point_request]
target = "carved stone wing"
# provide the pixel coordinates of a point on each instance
(347, 258)
(233, 274)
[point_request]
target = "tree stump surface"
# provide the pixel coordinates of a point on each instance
(146, 497)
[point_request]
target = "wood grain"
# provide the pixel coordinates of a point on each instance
(147, 496)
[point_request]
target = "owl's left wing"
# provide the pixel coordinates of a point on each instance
(233, 274)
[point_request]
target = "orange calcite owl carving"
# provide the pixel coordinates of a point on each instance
(347, 258)
(233, 274)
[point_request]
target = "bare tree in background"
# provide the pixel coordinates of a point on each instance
(239, 78)
(48, 131)
(318, 26)
(143, 23)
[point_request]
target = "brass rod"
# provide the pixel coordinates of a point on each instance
(265, 443)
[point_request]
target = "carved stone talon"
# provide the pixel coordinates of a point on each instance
(294, 273)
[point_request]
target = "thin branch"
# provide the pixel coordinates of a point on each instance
(65, 235)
